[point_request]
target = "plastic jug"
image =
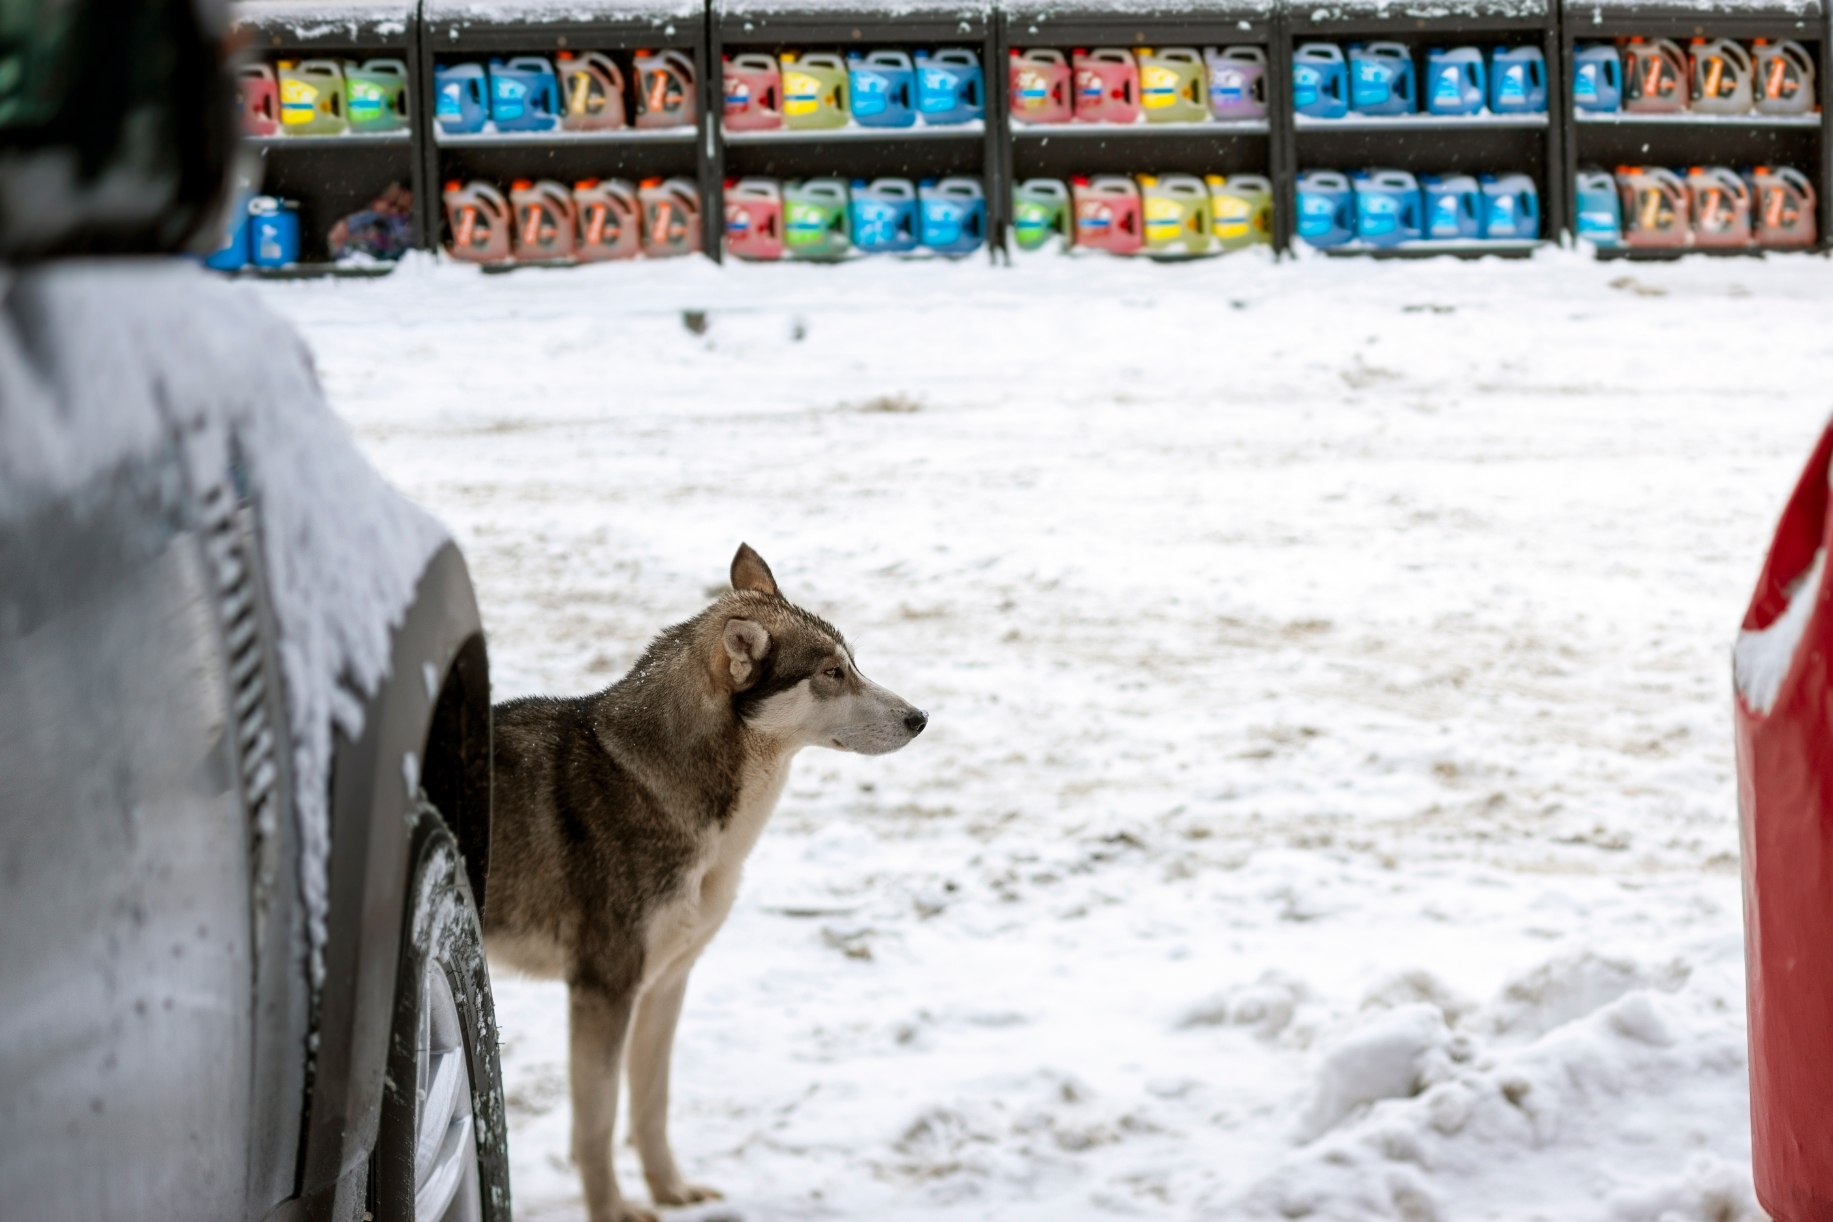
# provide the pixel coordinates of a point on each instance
(814, 91)
(260, 100)
(312, 98)
(1173, 85)
(1042, 87)
(1654, 77)
(232, 255)
(753, 86)
(1517, 81)
(462, 97)
(1040, 211)
(754, 218)
(815, 219)
(953, 215)
(1455, 81)
(1176, 208)
(1320, 81)
(480, 219)
(1326, 208)
(1381, 80)
(524, 95)
(592, 90)
(884, 215)
(883, 84)
(1597, 77)
(1785, 207)
(273, 231)
(1721, 77)
(608, 215)
(664, 89)
(1600, 208)
(1654, 206)
(1453, 206)
(1784, 78)
(1389, 209)
(1240, 210)
(1107, 213)
(1511, 207)
(545, 222)
(1719, 202)
(1237, 82)
(1107, 85)
(950, 87)
(671, 216)
(376, 91)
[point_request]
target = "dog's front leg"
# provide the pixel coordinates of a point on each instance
(597, 1023)
(652, 1045)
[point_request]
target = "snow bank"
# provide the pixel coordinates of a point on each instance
(104, 362)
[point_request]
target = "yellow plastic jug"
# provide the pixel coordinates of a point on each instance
(1240, 210)
(312, 98)
(814, 91)
(1176, 207)
(1172, 85)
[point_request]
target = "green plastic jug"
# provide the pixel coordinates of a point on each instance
(1173, 85)
(377, 93)
(1176, 207)
(1240, 210)
(814, 91)
(1040, 212)
(312, 98)
(815, 219)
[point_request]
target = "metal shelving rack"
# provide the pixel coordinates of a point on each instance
(1683, 139)
(1212, 147)
(735, 26)
(1530, 144)
(333, 176)
(459, 30)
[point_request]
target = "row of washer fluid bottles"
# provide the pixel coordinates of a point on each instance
(1117, 85)
(574, 91)
(1381, 78)
(820, 90)
(323, 97)
(1160, 215)
(1705, 206)
(1709, 76)
(592, 221)
(265, 234)
(828, 219)
(1383, 207)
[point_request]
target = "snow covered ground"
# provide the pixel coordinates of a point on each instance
(1327, 807)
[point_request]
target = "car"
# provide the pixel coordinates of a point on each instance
(244, 706)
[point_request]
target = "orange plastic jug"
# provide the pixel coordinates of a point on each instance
(1784, 77)
(1720, 205)
(1654, 206)
(607, 213)
(545, 222)
(591, 91)
(480, 219)
(1654, 76)
(1720, 76)
(1785, 207)
(664, 89)
(671, 216)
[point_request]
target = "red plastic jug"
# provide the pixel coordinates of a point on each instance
(753, 86)
(664, 89)
(754, 218)
(1107, 85)
(591, 91)
(607, 213)
(1654, 76)
(1042, 87)
(544, 220)
(1785, 207)
(1108, 213)
(1654, 206)
(1719, 202)
(480, 218)
(260, 100)
(671, 216)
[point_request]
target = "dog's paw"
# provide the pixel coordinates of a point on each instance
(683, 1193)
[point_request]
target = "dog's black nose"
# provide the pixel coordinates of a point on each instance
(915, 720)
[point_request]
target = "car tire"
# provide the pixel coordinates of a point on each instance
(442, 1152)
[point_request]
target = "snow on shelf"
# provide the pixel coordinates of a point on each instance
(315, 20)
(347, 140)
(1085, 10)
(1778, 10)
(784, 135)
(877, 10)
(621, 135)
(1687, 118)
(1311, 123)
(1403, 10)
(558, 12)
(1219, 127)
(1449, 246)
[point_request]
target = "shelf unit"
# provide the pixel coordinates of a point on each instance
(737, 26)
(334, 176)
(1528, 144)
(461, 30)
(1063, 150)
(1610, 140)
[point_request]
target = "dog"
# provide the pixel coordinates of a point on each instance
(620, 825)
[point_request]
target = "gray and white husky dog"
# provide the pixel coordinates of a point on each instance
(621, 824)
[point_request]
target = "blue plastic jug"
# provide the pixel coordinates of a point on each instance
(273, 231)
(1326, 208)
(1320, 85)
(524, 95)
(1597, 77)
(950, 86)
(1389, 210)
(1453, 206)
(884, 215)
(1381, 80)
(953, 215)
(1517, 81)
(882, 83)
(1511, 206)
(1454, 81)
(462, 98)
(1600, 208)
(233, 254)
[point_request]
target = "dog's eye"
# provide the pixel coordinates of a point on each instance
(835, 673)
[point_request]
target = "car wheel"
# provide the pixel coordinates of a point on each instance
(442, 1153)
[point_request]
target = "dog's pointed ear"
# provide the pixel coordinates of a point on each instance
(749, 572)
(746, 644)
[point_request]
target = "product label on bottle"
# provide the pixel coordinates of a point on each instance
(1157, 87)
(801, 93)
(871, 93)
(298, 102)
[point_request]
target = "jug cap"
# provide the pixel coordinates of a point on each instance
(452, 184)
(585, 184)
(1147, 180)
(522, 184)
(1215, 180)
(1080, 180)
(650, 182)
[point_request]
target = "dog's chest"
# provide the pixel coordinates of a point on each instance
(681, 926)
